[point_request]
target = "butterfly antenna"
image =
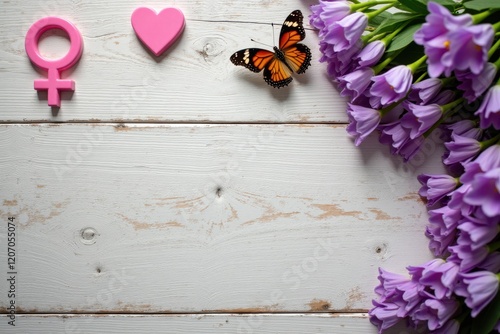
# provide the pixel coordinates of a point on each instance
(253, 40)
(272, 26)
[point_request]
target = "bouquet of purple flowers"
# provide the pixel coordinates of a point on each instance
(428, 70)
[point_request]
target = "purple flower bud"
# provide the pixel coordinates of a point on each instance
(479, 288)
(363, 121)
(465, 128)
(355, 83)
(474, 85)
(457, 200)
(389, 282)
(436, 312)
(371, 54)
(444, 97)
(491, 263)
(436, 187)
(466, 254)
(345, 33)
(468, 48)
(327, 13)
(462, 126)
(339, 63)
(487, 160)
(424, 91)
(477, 235)
(433, 35)
(411, 147)
(394, 135)
(419, 118)
(384, 314)
(393, 85)
(442, 229)
(439, 22)
(398, 137)
(489, 111)
(440, 276)
(485, 192)
(461, 149)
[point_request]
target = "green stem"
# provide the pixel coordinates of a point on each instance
(477, 18)
(438, 123)
(496, 26)
(387, 39)
(493, 48)
(378, 11)
(446, 114)
(451, 105)
(387, 109)
(497, 64)
(494, 246)
(447, 81)
(371, 36)
(380, 67)
(420, 78)
(414, 66)
(490, 142)
(369, 4)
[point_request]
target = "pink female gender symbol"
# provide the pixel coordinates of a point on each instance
(54, 84)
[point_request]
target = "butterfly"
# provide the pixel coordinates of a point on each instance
(289, 57)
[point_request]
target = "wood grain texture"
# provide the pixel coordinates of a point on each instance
(185, 214)
(194, 81)
(180, 324)
(204, 218)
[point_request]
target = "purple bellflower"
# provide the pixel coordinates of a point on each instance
(478, 288)
(392, 85)
(436, 187)
(489, 111)
(345, 33)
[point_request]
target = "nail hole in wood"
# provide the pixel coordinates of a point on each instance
(218, 192)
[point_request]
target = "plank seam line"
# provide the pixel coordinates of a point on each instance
(333, 314)
(242, 22)
(169, 123)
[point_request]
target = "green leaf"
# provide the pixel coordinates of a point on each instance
(488, 318)
(395, 21)
(411, 54)
(480, 5)
(450, 4)
(404, 38)
(377, 20)
(418, 6)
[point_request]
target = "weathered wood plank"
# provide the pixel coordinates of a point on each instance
(118, 80)
(206, 323)
(204, 218)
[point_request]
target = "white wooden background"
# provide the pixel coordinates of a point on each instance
(184, 195)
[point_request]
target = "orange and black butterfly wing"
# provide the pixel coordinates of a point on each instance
(292, 30)
(277, 74)
(254, 59)
(289, 57)
(297, 56)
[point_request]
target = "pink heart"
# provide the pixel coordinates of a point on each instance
(158, 32)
